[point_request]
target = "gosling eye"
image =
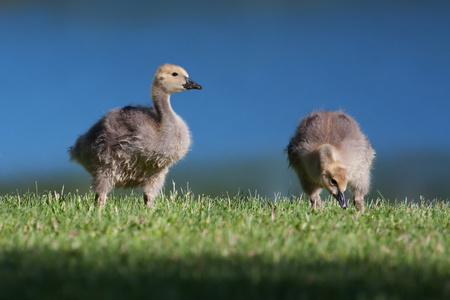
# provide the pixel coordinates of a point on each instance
(174, 74)
(333, 182)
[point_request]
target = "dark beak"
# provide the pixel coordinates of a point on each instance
(340, 197)
(190, 84)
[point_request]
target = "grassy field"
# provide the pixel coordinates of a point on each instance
(55, 246)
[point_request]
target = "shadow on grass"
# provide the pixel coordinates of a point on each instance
(49, 274)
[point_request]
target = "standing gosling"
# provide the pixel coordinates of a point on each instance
(329, 151)
(135, 145)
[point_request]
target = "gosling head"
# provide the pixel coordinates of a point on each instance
(334, 179)
(174, 79)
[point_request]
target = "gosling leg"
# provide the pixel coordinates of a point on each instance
(153, 187)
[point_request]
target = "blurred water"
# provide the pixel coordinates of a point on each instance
(263, 66)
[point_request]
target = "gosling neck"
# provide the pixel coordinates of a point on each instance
(327, 155)
(161, 102)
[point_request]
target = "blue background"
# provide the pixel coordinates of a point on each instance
(263, 65)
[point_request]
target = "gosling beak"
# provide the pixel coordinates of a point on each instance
(340, 197)
(190, 84)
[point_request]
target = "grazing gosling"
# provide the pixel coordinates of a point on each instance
(328, 150)
(135, 145)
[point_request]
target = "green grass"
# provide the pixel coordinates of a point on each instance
(56, 246)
